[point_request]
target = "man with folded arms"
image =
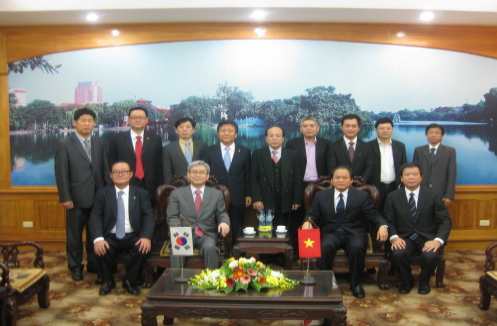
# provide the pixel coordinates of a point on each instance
(418, 221)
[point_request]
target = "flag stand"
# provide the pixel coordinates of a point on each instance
(181, 278)
(308, 279)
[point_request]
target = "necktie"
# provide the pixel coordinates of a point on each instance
(432, 155)
(88, 147)
(139, 173)
(198, 204)
(121, 216)
(227, 158)
(274, 157)
(351, 151)
(188, 152)
(340, 207)
(412, 206)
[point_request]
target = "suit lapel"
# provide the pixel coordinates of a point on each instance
(218, 156)
(301, 147)
(440, 152)
(129, 142)
(146, 140)
(345, 151)
(236, 156)
(285, 169)
(426, 152)
(207, 198)
(112, 199)
(177, 149)
(267, 162)
(405, 205)
(131, 203)
(79, 147)
(376, 149)
(190, 203)
(196, 150)
(421, 203)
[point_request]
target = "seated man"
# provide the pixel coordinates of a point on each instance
(338, 212)
(121, 219)
(203, 207)
(418, 221)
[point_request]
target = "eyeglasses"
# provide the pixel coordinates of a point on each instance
(120, 172)
(138, 118)
(385, 128)
(193, 172)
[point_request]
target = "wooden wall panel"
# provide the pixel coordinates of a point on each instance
(9, 214)
(463, 214)
(49, 215)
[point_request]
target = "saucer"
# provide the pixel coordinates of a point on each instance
(249, 233)
(281, 231)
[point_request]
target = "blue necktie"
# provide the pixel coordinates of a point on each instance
(227, 158)
(340, 207)
(412, 206)
(121, 216)
(188, 152)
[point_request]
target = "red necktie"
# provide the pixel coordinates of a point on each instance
(198, 204)
(275, 158)
(139, 173)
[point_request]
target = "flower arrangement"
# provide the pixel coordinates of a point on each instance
(241, 274)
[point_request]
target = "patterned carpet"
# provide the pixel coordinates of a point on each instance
(78, 303)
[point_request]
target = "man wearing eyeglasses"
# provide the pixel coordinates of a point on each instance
(121, 219)
(141, 150)
(204, 210)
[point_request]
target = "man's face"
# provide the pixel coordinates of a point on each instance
(341, 179)
(227, 134)
(84, 125)
(411, 178)
(384, 131)
(121, 174)
(185, 130)
(275, 137)
(137, 120)
(309, 128)
(350, 128)
(434, 136)
(198, 176)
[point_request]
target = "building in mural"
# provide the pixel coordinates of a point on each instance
(88, 92)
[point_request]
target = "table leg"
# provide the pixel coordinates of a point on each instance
(339, 317)
(168, 320)
(148, 315)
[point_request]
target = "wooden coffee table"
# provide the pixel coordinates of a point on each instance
(175, 300)
(260, 243)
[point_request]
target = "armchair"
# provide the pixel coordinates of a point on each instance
(488, 282)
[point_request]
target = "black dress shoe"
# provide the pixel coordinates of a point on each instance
(132, 289)
(358, 291)
(77, 274)
(424, 289)
(404, 290)
(106, 288)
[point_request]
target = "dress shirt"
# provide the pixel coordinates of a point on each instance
(347, 141)
(193, 189)
(82, 140)
(337, 198)
(435, 147)
(182, 145)
(387, 173)
(232, 150)
(134, 139)
(311, 171)
(278, 152)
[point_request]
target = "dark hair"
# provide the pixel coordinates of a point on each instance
(381, 121)
(309, 117)
(343, 167)
(265, 133)
(79, 112)
(410, 165)
(350, 117)
(138, 108)
(183, 120)
(121, 162)
(227, 122)
(433, 126)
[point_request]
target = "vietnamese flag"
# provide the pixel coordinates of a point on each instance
(309, 243)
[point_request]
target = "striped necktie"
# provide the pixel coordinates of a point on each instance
(412, 206)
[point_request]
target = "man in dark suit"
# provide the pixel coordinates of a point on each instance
(389, 155)
(178, 154)
(315, 157)
(230, 164)
(339, 212)
(438, 163)
(80, 169)
(418, 221)
(204, 209)
(352, 151)
(122, 219)
(141, 150)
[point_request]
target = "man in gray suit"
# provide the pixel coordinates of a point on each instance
(81, 169)
(177, 155)
(438, 163)
(203, 207)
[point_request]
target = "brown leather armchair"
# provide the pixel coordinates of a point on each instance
(488, 282)
(159, 255)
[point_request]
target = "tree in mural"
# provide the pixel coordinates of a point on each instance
(200, 109)
(238, 104)
(490, 107)
(33, 63)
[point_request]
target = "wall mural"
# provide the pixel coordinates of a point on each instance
(258, 83)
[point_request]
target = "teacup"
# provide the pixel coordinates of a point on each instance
(248, 229)
(281, 228)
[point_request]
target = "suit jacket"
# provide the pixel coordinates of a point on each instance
(357, 207)
(363, 158)
(432, 219)
(212, 212)
(442, 173)
(174, 161)
(121, 149)
(237, 179)
(323, 155)
(262, 181)
(103, 216)
(77, 178)
(399, 158)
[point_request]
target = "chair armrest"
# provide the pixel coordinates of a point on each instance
(5, 280)
(489, 257)
(10, 252)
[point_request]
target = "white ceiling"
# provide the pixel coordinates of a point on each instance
(49, 12)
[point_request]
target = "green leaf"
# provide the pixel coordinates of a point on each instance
(239, 286)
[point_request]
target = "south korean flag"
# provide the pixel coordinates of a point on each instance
(181, 241)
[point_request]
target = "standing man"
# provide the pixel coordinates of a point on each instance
(81, 168)
(314, 155)
(122, 219)
(141, 150)
(418, 221)
(438, 163)
(230, 164)
(177, 155)
(339, 213)
(204, 209)
(389, 155)
(352, 151)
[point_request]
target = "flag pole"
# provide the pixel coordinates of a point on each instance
(181, 278)
(308, 279)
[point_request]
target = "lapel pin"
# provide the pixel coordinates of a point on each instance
(134, 198)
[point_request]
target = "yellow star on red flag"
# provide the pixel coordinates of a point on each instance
(309, 243)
